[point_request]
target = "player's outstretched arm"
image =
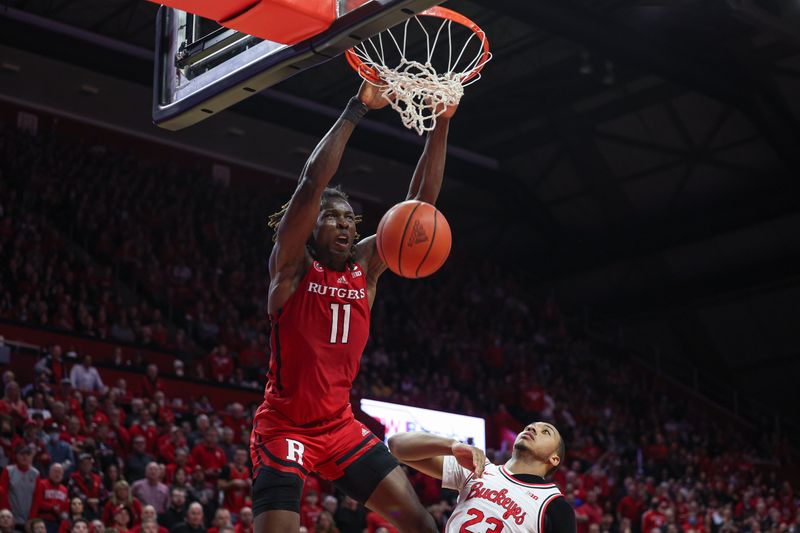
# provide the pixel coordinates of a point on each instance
(425, 452)
(427, 180)
(301, 214)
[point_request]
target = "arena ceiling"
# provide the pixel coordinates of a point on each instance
(643, 156)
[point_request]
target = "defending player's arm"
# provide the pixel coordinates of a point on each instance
(559, 517)
(288, 257)
(425, 452)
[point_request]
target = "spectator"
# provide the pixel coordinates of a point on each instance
(85, 378)
(149, 516)
(121, 519)
(149, 526)
(13, 405)
(76, 512)
(330, 504)
(59, 451)
(325, 523)
(50, 499)
(176, 511)
(351, 517)
(97, 526)
(208, 455)
(236, 480)
(79, 526)
(222, 519)
(87, 486)
(181, 463)
(121, 497)
(376, 523)
(203, 491)
(151, 382)
(6, 520)
(137, 461)
(35, 525)
(245, 522)
(18, 483)
(150, 490)
(309, 510)
(194, 521)
(220, 364)
(52, 365)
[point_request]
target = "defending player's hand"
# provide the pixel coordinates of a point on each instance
(372, 95)
(470, 457)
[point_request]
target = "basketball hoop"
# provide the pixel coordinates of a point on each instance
(421, 91)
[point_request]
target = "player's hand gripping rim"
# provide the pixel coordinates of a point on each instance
(470, 457)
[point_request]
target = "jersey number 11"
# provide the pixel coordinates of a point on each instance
(335, 323)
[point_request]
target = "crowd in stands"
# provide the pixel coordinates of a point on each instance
(102, 244)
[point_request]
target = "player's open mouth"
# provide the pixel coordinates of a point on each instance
(342, 240)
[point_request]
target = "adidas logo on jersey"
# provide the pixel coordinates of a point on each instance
(341, 279)
(418, 234)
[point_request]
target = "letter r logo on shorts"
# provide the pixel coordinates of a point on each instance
(295, 451)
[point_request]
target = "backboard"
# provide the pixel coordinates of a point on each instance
(202, 68)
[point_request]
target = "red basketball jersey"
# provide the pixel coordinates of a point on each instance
(317, 341)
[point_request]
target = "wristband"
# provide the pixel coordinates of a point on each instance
(355, 110)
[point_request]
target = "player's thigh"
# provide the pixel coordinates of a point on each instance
(277, 522)
(394, 498)
(276, 500)
(364, 474)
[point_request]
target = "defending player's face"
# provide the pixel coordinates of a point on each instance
(336, 228)
(539, 438)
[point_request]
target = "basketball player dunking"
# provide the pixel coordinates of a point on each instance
(514, 497)
(322, 287)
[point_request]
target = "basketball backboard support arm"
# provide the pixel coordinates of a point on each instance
(196, 77)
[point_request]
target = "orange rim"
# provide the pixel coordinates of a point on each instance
(369, 73)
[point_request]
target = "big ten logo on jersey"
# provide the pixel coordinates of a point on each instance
(318, 267)
(294, 451)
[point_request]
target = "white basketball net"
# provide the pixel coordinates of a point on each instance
(414, 89)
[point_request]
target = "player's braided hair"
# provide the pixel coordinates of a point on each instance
(330, 193)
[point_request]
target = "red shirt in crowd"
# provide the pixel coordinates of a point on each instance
(236, 497)
(50, 500)
(150, 434)
(88, 487)
(309, 514)
(652, 518)
(221, 366)
(209, 457)
(241, 529)
(375, 521)
(630, 508)
(593, 514)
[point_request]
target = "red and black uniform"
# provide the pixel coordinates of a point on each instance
(306, 423)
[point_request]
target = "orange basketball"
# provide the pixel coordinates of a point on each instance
(413, 239)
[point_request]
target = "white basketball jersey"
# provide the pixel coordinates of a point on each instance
(495, 502)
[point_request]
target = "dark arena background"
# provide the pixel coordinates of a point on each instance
(623, 189)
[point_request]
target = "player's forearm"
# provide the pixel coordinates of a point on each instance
(427, 180)
(417, 446)
(326, 157)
